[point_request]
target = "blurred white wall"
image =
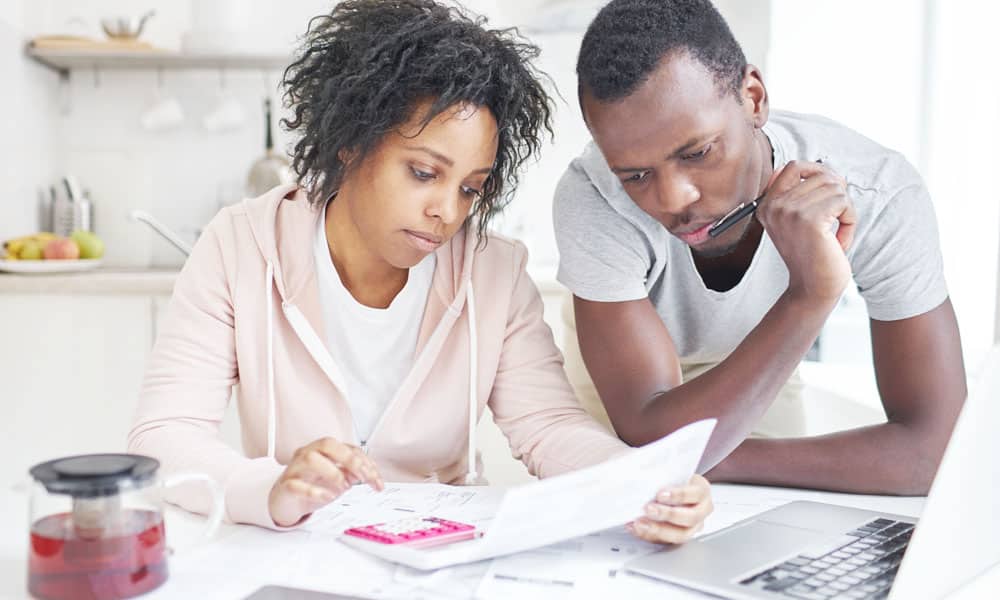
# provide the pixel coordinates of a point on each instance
(911, 75)
(27, 124)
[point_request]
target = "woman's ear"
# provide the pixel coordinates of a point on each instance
(347, 155)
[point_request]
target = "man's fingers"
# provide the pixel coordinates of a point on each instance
(792, 175)
(848, 223)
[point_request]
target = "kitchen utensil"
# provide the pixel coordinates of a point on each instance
(125, 28)
(273, 168)
(97, 526)
(71, 208)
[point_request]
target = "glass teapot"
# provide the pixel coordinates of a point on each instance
(97, 529)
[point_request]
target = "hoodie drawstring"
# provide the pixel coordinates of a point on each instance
(271, 408)
(471, 475)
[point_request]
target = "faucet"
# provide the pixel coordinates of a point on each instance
(160, 228)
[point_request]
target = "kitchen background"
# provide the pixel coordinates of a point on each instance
(912, 74)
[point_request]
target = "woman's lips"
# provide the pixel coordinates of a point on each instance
(696, 236)
(424, 242)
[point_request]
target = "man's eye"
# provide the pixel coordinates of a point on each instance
(697, 155)
(636, 177)
(421, 175)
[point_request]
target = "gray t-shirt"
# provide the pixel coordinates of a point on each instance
(612, 251)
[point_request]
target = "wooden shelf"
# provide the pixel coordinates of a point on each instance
(66, 60)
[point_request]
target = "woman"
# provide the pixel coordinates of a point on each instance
(364, 313)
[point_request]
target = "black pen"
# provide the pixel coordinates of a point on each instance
(734, 217)
(738, 214)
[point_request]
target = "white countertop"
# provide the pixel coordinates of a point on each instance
(242, 558)
(110, 280)
(155, 281)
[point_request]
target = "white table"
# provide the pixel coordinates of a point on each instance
(243, 558)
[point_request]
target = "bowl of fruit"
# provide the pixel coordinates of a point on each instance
(49, 253)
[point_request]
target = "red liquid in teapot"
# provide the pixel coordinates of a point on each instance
(127, 560)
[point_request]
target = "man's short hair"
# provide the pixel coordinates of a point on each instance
(629, 38)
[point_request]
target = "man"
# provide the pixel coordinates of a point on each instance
(675, 325)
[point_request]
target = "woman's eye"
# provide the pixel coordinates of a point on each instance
(421, 175)
(471, 192)
(697, 155)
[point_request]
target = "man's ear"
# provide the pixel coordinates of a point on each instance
(753, 93)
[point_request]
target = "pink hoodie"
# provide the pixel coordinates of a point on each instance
(245, 310)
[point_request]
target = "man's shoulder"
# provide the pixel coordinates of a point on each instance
(589, 193)
(867, 165)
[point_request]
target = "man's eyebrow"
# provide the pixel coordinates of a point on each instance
(691, 143)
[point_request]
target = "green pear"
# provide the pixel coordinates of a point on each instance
(90, 245)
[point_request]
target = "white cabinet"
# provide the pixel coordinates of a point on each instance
(70, 370)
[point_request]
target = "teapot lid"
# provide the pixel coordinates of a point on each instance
(91, 475)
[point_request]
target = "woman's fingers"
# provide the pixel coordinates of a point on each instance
(684, 516)
(676, 514)
(697, 490)
(315, 494)
(662, 533)
(358, 467)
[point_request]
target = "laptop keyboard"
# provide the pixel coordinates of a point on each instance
(862, 564)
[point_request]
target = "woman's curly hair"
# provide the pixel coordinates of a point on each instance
(363, 68)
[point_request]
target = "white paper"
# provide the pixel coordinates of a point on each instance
(597, 498)
(362, 505)
(564, 570)
(568, 506)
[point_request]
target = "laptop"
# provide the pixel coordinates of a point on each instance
(816, 551)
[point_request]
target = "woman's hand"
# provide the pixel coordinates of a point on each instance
(317, 475)
(674, 516)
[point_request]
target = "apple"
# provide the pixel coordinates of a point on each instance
(61, 249)
(90, 245)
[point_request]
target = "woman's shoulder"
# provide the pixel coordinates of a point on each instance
(500, 253)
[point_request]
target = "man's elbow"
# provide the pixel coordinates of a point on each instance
(923, 458)
(633, 429)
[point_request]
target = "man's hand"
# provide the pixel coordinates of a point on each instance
(674, 516)
(810, 219)
(317, 475)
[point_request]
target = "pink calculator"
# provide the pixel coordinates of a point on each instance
(415, 531)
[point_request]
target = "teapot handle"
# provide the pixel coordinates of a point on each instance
(218, 501)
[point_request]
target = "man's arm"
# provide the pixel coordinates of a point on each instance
(633, 363)
(921, 378)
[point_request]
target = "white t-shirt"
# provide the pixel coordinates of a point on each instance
(373, 347)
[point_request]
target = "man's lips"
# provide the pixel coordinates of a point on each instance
(693, 237)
